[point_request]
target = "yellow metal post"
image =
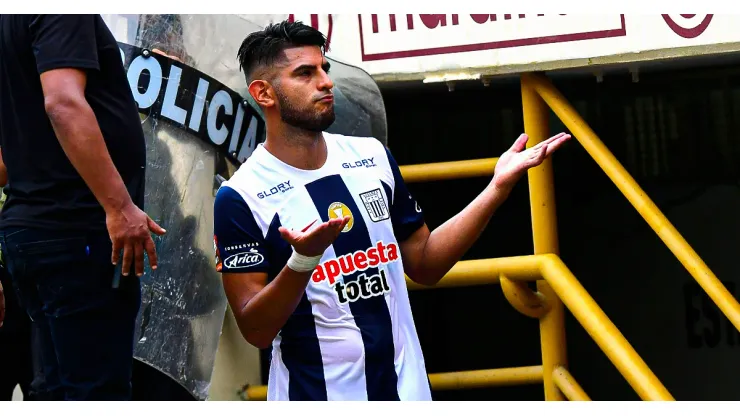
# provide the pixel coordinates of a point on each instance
(545, 234)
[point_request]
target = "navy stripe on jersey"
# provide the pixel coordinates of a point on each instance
(406, 215)
(301, 355)
(279, 250)
(240, 246)
(371, 315)
(299, 345)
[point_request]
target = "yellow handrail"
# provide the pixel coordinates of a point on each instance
(637, 197)
(514, 376)
(568, 385)
(482, 272)
(601, 329)
(428, 172)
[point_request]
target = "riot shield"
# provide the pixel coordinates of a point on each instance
(200, 125)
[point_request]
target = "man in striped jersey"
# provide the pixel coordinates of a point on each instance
(314, 232)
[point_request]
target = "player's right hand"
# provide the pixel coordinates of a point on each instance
(314, 242)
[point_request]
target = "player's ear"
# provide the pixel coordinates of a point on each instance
(262, 92)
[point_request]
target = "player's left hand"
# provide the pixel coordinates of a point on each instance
(515, 162)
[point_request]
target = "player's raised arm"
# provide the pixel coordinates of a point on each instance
(428, 256)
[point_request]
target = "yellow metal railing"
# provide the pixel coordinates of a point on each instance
(568, 385)
(637, 197)
(429, 172)
(457, 380)
(556, 285)
(486, 378)
(545, 239)
(550, 268)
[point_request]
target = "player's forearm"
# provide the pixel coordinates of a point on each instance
(78, 132)
(267, 312)
(450, 241)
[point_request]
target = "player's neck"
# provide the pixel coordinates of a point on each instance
(302, 149)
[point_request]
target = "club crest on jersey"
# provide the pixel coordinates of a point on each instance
(339, 210)
(375, 205)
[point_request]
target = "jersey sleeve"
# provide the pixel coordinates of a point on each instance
(64, 41)
(406, 215)
(238, 240)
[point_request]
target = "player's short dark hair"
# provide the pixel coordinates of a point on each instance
(266, 46)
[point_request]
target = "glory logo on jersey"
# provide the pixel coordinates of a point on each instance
(355, 262)
(368, 163)
(282, 188)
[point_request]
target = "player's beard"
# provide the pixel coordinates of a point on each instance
(310, 119)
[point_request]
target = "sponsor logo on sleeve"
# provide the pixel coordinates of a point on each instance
(244, 259)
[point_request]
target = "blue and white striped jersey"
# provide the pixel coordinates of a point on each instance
(352, 336)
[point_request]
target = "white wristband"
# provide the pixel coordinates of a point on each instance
(300, 263)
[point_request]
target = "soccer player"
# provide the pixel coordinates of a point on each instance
(314, 232)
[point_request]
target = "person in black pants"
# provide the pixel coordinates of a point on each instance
(75, 156)
(15, 332)
(15, 345)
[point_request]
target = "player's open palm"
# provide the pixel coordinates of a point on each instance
(515, 162)
(314, 242)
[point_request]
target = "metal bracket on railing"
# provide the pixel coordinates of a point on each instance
(524, 299)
